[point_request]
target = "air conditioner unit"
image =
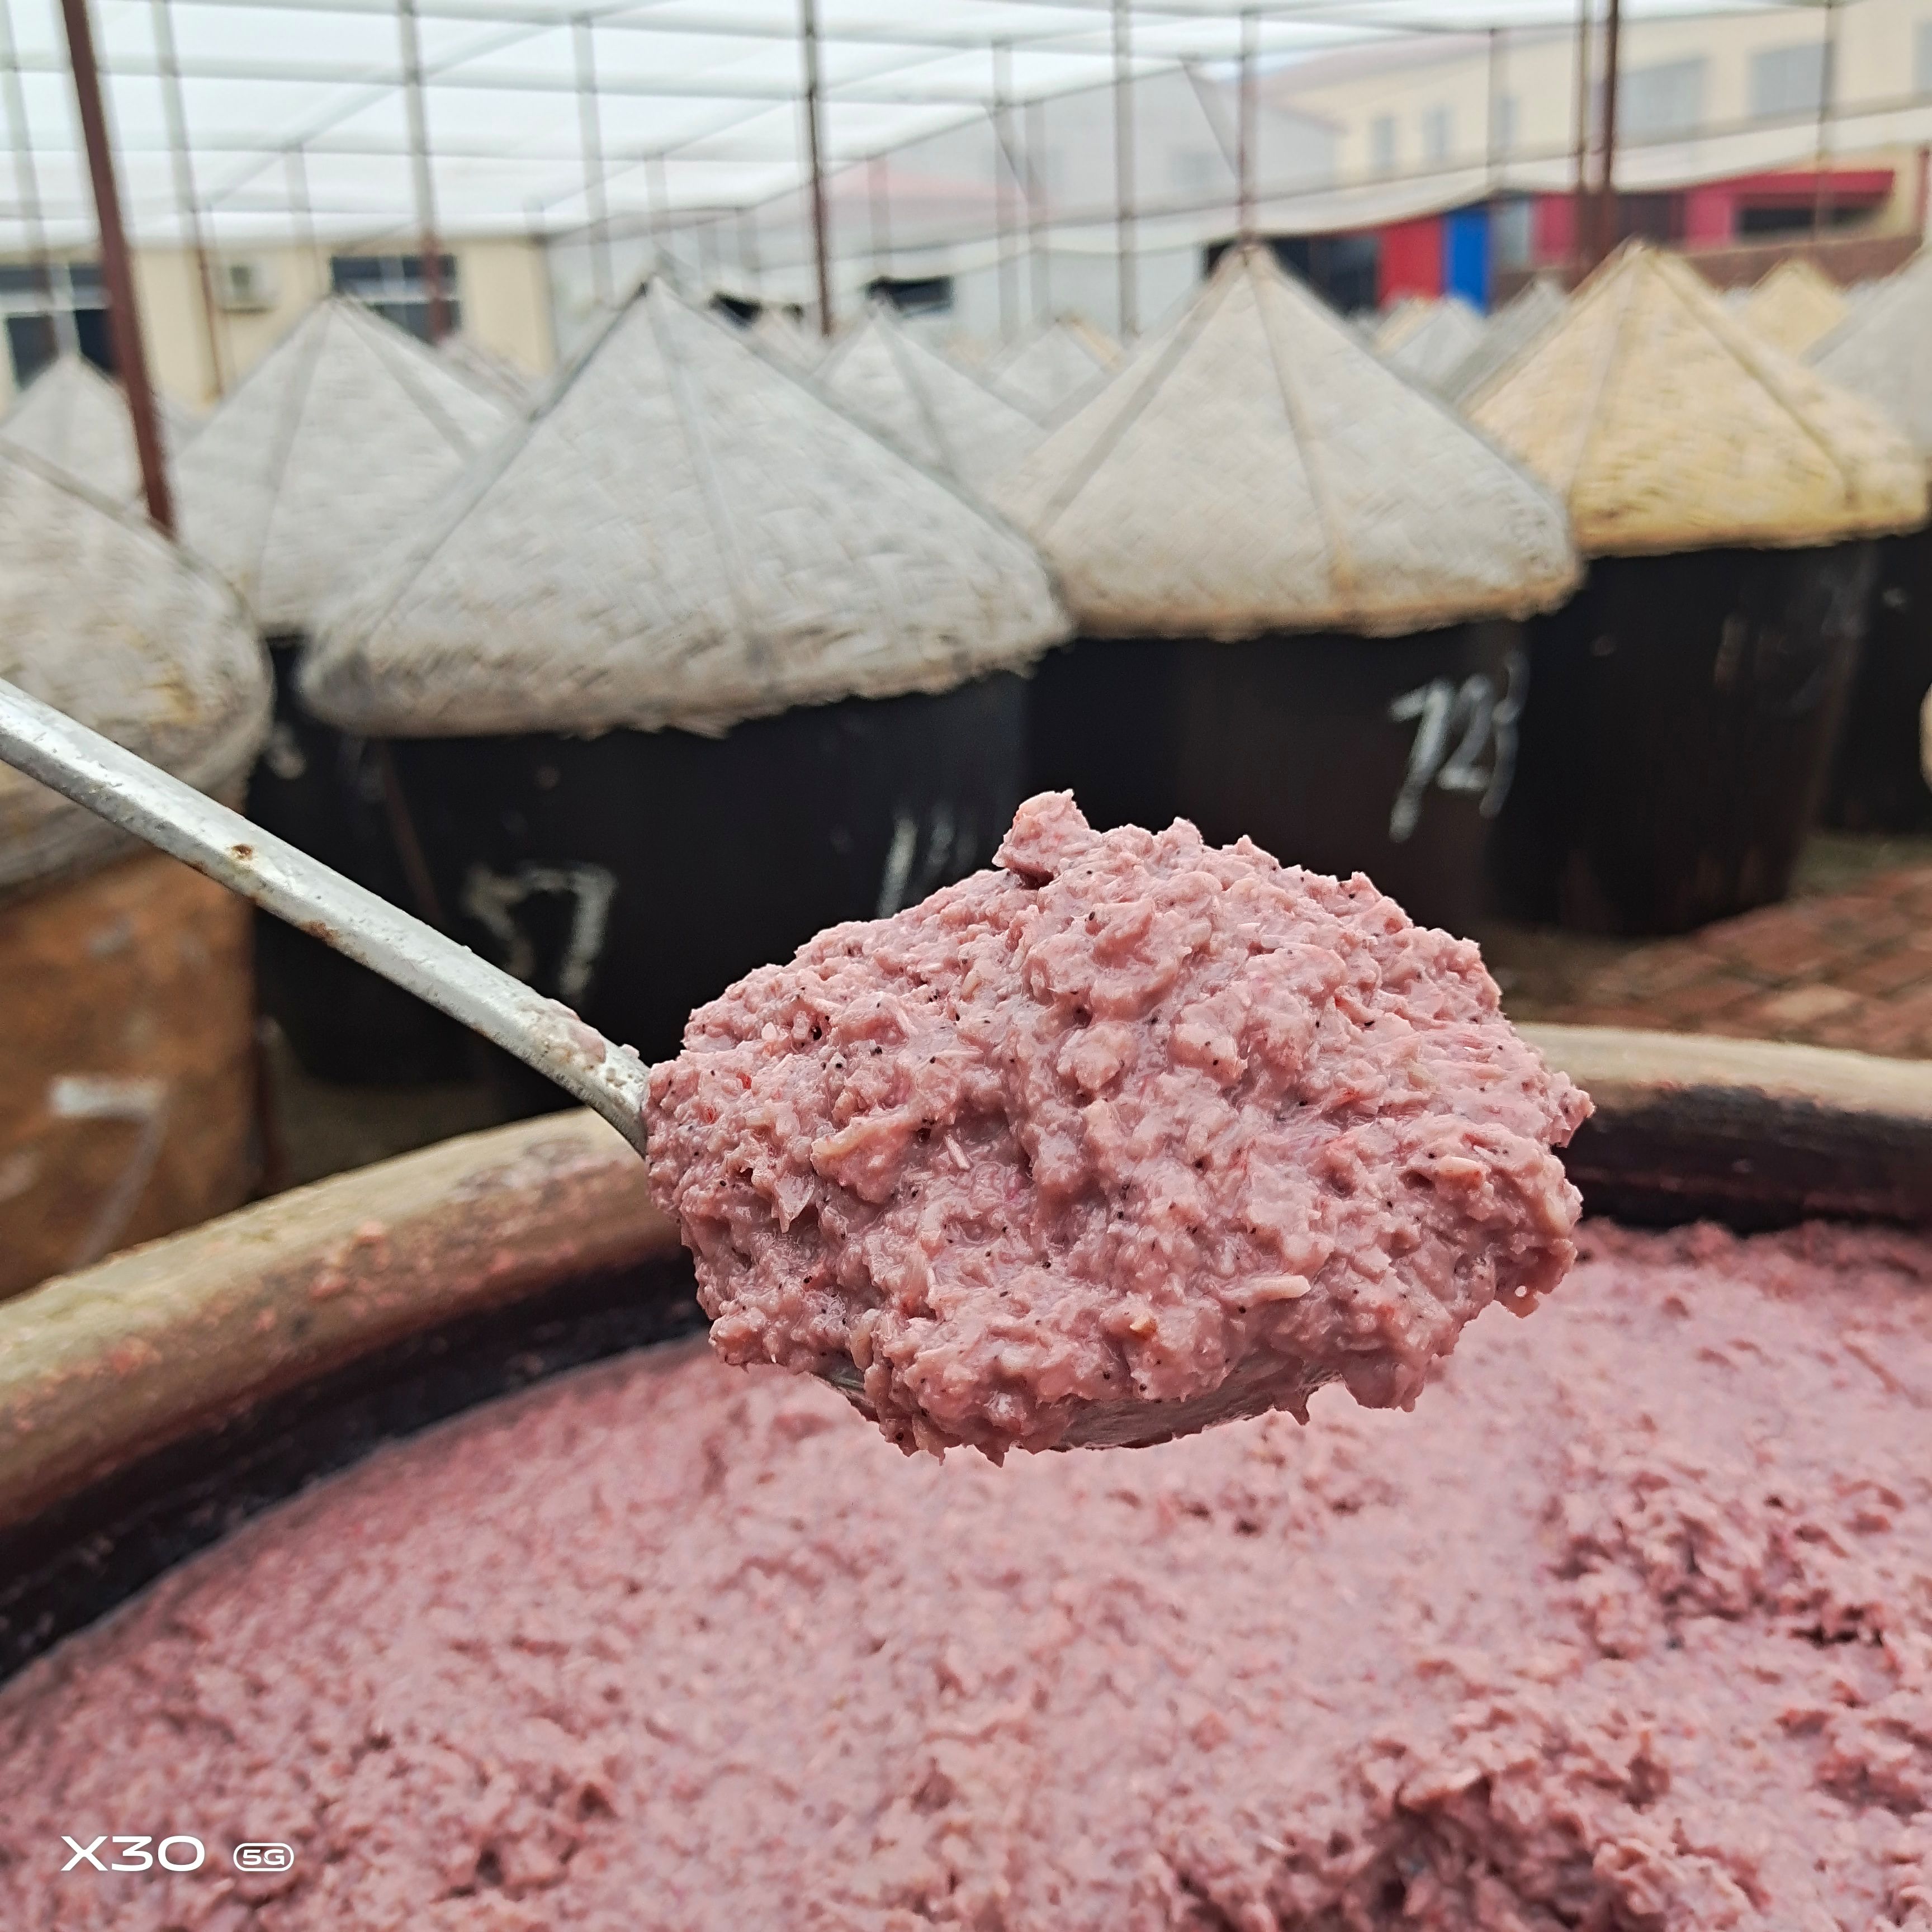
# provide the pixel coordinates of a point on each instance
(244, 284)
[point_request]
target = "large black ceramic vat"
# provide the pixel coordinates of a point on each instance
(347, 427)
(1683, 709)
(694, 666)
(157, 1402)
(1389, 755)
(570, 859)
(127, 1090)
(1878, 783)
(1682, 713)
(1103, 722)
(328, 793)
(1298, 577)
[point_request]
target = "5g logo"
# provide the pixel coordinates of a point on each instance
(178, 1854)
(264, 1858)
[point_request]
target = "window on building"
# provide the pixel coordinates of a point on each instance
(1508, 121)
(914, 295)
(1437, 125)
(393, 285)
(1921, 59)
(1197, 171)
(68, 306)
(1382, 144)
(1661, 101)
(1787, 80)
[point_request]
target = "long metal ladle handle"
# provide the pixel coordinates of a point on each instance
(139, 797)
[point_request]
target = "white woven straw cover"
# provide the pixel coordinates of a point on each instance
(1795, 306)
(1882, 351)
(1403, 317)
(75, 419)
(782, 335)
(686, 533)
(104, 619)
(489, 369)
(1264, 471)
(1669, 424)
(346, 426)
(1054, 368)
(926, 406)
(1519, 322)
(1431, 350)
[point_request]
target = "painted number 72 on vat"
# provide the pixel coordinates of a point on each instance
(1472, 719)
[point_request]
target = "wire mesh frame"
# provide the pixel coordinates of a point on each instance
(1087, 44)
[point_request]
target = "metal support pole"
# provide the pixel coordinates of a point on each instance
(815, 155)
(301, 210)
(707, 255)
(1492, 144)
(1828, 75)
(1579, 193)
(657, 199)
(123, 318)
(749, 262)
(1004, 182)
(1123, 173)
(590, 129)
(176, 113)
(1606, 186)
(1038, 248)
(878, 197)
(1244, 151)
(27, 185)
(425, 184)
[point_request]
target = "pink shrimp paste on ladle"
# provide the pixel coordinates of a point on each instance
(1126, 1136)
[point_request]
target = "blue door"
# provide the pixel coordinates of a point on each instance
(1466, 256)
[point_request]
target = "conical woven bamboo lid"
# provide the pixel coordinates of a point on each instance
(1396, 323)
(1520, 322)
(1883, 350)
(1052, 369)
(74, 417)
(489, 369)
(786, 337)
(345, 428)
(104, 619)
(1262, 471)
(684, 534)
(1795, 306)
(927, 407)
(1438, 341)
(1668, 424)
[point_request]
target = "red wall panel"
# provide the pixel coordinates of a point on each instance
(1411, 259)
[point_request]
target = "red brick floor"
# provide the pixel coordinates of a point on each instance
(1851, 968)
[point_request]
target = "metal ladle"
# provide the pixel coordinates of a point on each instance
(140, 798)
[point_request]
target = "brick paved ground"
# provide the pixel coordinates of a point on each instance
(1849, 968)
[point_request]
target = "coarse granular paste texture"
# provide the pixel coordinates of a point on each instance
(1128, 1123)
(1627, 1627)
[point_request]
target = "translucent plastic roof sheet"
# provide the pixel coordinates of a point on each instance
(295, 110)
